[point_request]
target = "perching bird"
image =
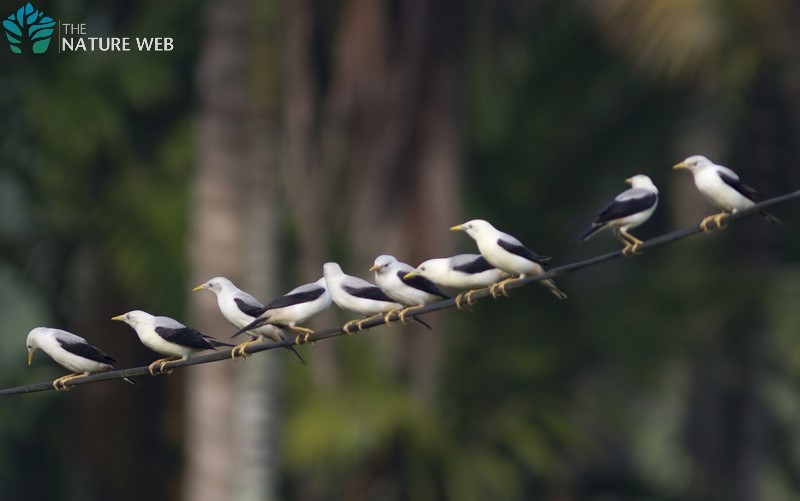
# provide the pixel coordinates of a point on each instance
(507, 253)
(168, 337)
(412, 292)
(722, 187)
(296, 306)
(628, 210)
(72, 352)
(240, 309)
(359, 296)
(462, 271)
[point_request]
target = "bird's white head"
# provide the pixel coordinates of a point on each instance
(694, 163)
(32, 343)
(383, 263)
(133, 318)
(641, 181)
(429, 268)
(331, 270)
(215, 285)
(474, 227)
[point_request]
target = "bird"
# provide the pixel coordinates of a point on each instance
(507, 253)
(462, 271)
(240, 308)
(723, 189)
(628, 210)
(413, 292)
(296, 306)
(70, 351)
(359, 296)
(168, 337)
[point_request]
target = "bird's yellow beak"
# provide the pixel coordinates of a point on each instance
(679, 166)
(375, 267)
(118, 317)
(629, 180)
(30, 356)
(412, 273)
(456, 228)
(200, 287)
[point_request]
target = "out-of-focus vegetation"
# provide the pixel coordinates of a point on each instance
(673, 375)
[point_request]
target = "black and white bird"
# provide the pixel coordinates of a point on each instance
(241, 309)
(70, 351)
(629, 209)
(168, 337)
(722, 188)
(296, 306)
(507, 253)
(464, 272)
(359, 296)
(412, 291)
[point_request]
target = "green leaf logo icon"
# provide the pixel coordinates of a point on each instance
(28, 29)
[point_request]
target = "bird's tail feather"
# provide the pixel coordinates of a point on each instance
(587, 233)
(769, 217)
(423, 322)
(552, 287)
(217, 343)
(252, 325)
(299, 357)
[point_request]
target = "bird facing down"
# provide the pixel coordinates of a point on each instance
(413, 291)
(722, 188)
(70, 351)
(296, 306)
(462, 272)
(628, 210)
(240, 308)
(359, 296)
(168, 337)
(507, 253)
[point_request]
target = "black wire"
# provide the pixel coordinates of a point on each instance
(441, 305)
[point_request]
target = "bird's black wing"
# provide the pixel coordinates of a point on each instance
(421, 283)
(184, 336)
(296, 298)
(618, 209)
(87, 351)
(248, 308)
(746, 191)
(522, 251)
(371, 292)
(477, 265)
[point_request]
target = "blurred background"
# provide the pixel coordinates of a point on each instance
(279, 135)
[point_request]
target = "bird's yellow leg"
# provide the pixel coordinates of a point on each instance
(387, 319)
(501, 285)
(349, 325)
(240, 350)
(402, 314)
(716, 218)
(60, 384)
(157, 367)
(632, 243)
(465, 296)
(166, 362)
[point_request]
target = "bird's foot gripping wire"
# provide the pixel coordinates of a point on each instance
(160, 366)
(306, 333)
(501, 287)
(354, 325)
(60, 384)
(405, 311)
(716, 219)
(240, 350)
(387, 318)
(632, 248)
(465, 297)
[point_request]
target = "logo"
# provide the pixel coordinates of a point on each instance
(29, 30)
